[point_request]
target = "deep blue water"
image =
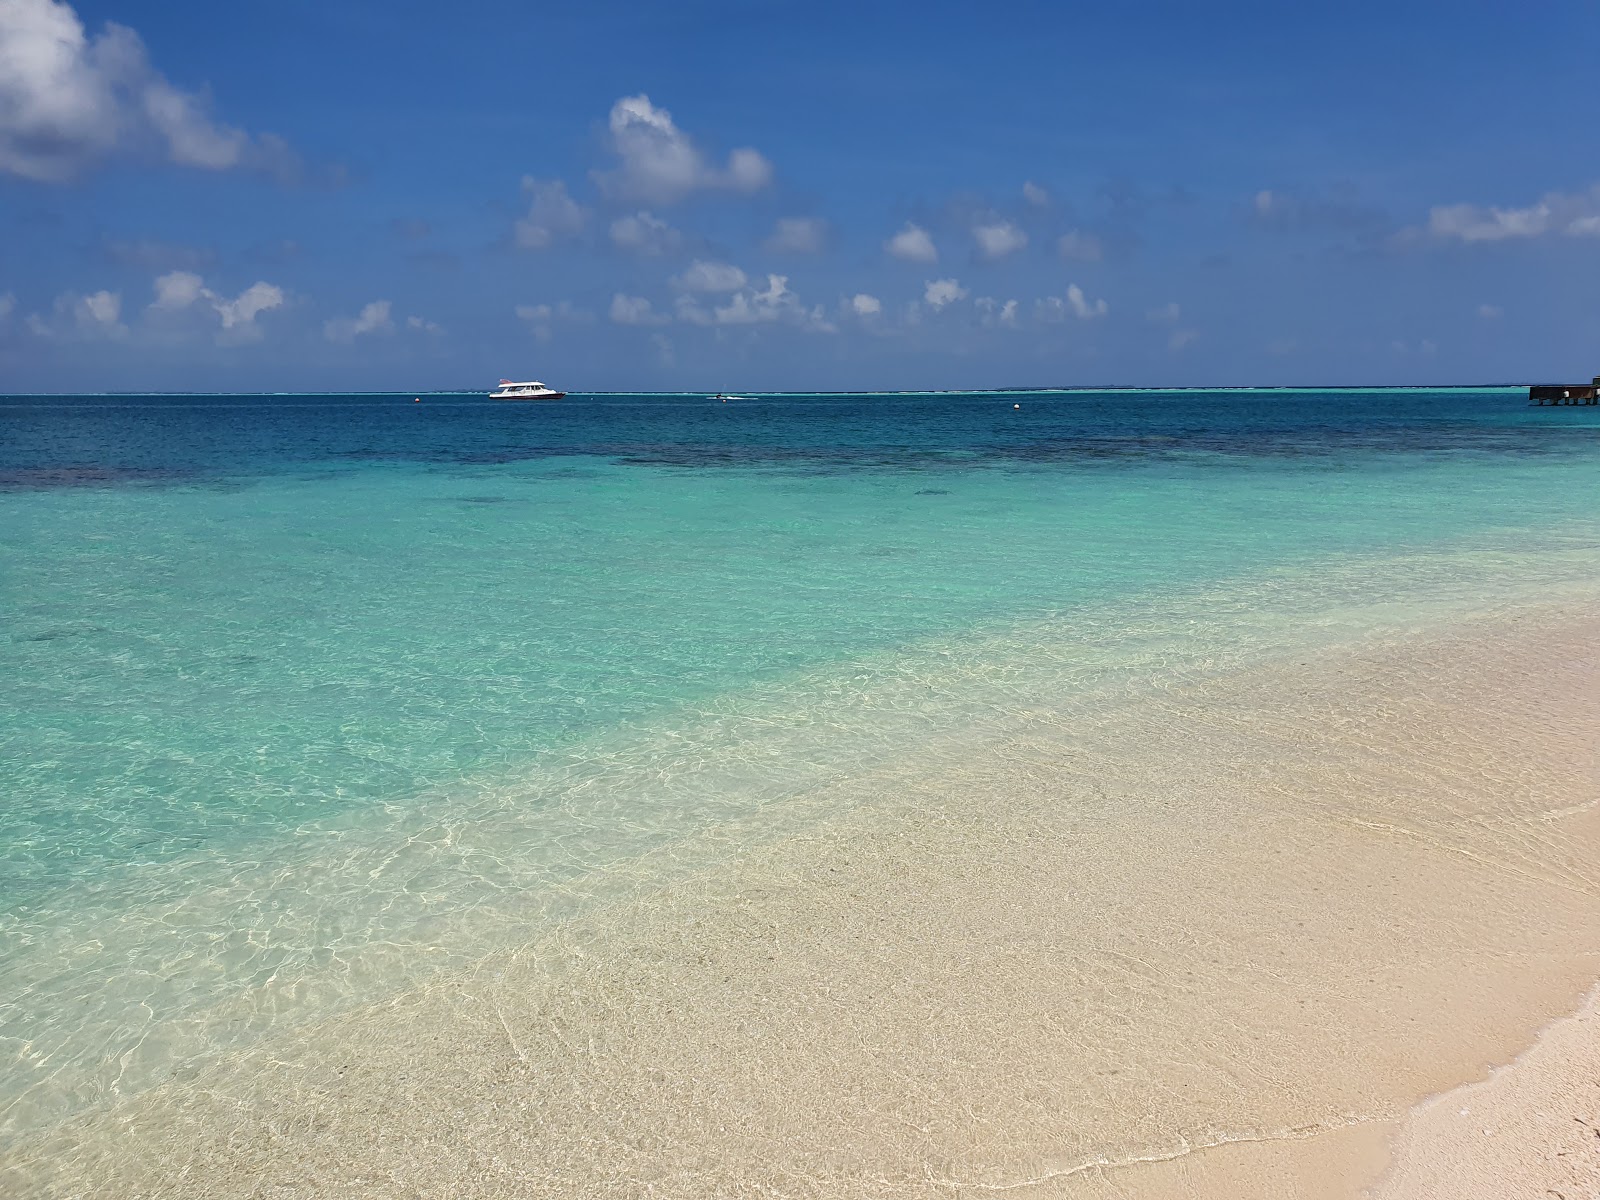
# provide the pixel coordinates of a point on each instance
(65, 441)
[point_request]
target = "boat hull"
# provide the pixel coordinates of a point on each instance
(545, 396)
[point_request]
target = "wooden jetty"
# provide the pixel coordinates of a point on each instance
(1566, 393)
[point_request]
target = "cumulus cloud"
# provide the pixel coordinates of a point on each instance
(1167, 312)
(996, 239)
(1572, 214)
(750, 306)
(864, 305)
(645, 234)
(373, 318)
(1035, 195)
(99, 312)
(78, 316)
(1079, 246)
(8, 305)
(552, 214)
(68, 100)
(183, 291)
(1075, 304)
(658, 162)
(703, 276)
(1181, 338)
(1082, 307)
(256, 299)
(940, 292)
(913, 245)
(995, 313)
(423, 325)
(178, 290)
(798, 235)
(635, 310)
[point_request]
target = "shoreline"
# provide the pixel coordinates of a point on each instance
(1072, 945)
(1531, 1128)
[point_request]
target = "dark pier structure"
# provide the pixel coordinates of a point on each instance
(1566, 393)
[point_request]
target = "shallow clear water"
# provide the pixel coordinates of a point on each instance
(239, 627)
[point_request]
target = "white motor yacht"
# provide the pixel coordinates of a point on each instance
(524, 391)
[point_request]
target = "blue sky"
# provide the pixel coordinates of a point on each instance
(768, 194)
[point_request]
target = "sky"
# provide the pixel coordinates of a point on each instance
(763, 194)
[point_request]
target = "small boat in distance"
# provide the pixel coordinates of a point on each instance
(524, 391)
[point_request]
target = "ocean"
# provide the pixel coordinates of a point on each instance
(312, 700)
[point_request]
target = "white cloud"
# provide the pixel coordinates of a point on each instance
(775, 302)
(635, 310)
(1082, 307)
(1080, 246)
(180, 291)
(659, 162)
(373, 318)
(1490, 311)
(995, 313)
(68, 100)
(78, 316)
(8, 305)
(940, 292)
(1167, 312)
(912, 244)
(1076, 304)
(798, 235)
(552, 214)
(98, 308)
(240, 313)
(998, 239)
(1181, 338)
(703, 276)
(664, 351)
(1035, 195)
(645, 234)
(1574, 214)
(422, 325)
(864, 305)
(1473, 224)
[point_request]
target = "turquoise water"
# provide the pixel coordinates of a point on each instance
(238, 627)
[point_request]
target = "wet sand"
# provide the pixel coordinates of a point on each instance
(1531, 1130)
(1220, 943)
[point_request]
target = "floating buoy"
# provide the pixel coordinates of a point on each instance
(418, 400)
(1016, 406)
